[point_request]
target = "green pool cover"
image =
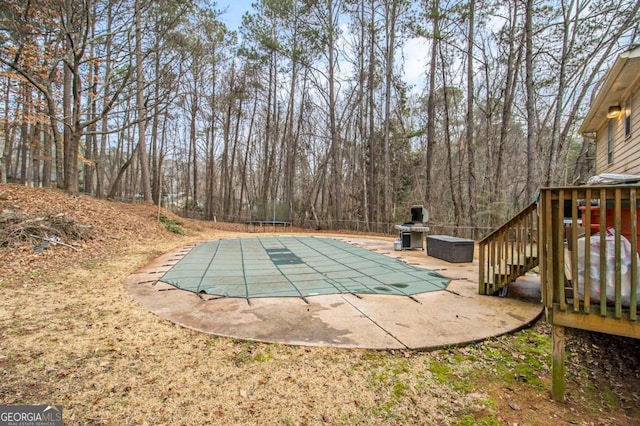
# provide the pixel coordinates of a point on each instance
(295, 267)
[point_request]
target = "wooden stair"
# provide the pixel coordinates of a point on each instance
(508, 252)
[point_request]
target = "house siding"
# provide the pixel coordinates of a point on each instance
(626, 152)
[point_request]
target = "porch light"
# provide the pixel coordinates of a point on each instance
(614, 111)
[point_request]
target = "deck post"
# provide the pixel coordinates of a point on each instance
(557, 363)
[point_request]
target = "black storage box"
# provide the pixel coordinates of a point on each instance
(451, 249)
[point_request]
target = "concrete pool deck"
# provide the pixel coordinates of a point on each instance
(454, 316)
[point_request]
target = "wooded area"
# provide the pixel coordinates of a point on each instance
(306, 107)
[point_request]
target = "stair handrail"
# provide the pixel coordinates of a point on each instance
(493, 258)
(524, 212)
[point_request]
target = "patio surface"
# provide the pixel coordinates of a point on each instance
(377, 312)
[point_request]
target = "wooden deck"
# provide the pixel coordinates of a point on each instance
(576, 235)
(588, 233)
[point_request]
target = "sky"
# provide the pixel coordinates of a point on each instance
(415, 50)
(234, 11)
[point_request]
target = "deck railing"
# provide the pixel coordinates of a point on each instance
(589, 263)
(508, 252)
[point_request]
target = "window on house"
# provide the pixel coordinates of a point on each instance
(627, 118)
(610, 133)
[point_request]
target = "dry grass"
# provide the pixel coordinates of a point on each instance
(71, 335)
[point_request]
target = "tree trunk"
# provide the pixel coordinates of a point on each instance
(372, 145)
(5, 160)
(333, 129)
(73, 152)
(193, 140)
(211, 144)
(115, 186)
(104, 125)
(530, 104)
(24, 130)
(245, 162)
(90, 149)
(431, 101)
(470, 142)
(55, 133)
(236, 137)
(226, 139)
(391, 17)
(142, 111)
(156, 181)
(447, 138)
(514, 60)
(288, 137)
(64, 150)
(270, 131)
(46, 163)
(36, 148)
